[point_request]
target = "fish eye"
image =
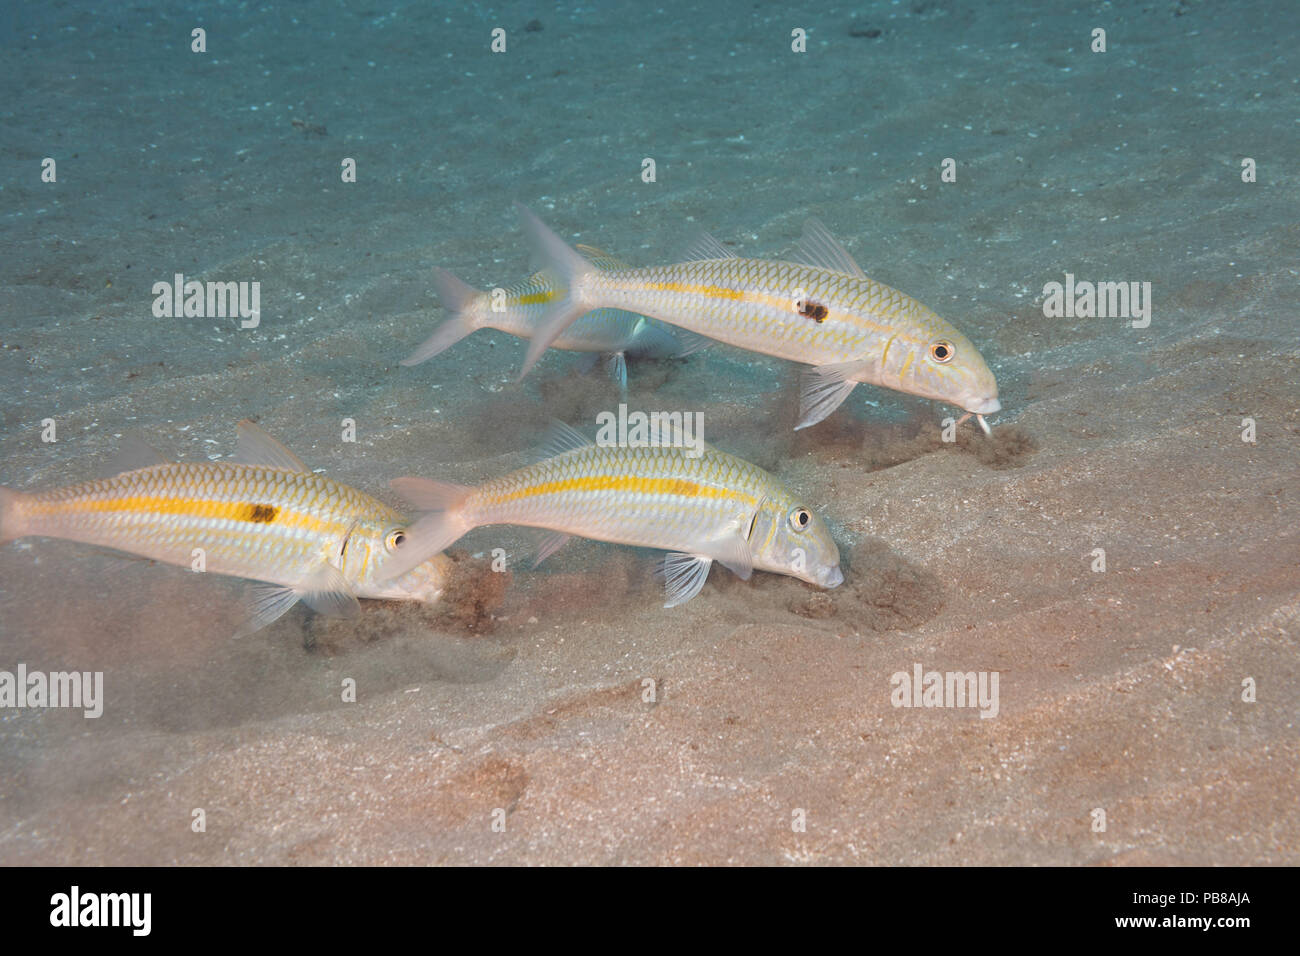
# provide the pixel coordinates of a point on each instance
(942, 352)
(395, 539)
(800, 518)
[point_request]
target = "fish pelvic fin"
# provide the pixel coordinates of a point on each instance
(10, 527)
(459, 299)
(684, 576)
(570, 271)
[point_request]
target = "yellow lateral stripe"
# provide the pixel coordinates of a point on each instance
(760, 298)
(628, 483)
(201, 508)
(711, 291)
(536, 298)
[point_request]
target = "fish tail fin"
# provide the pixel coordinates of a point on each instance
(459, 299)
(9, 521)
(570, 271)
(440, 527)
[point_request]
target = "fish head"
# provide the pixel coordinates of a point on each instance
(368, 551)
(939, 362)
(789, 538)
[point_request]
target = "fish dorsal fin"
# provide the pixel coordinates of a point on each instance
(818, 248)
(676, 435)
(133, 454)
(706, 247)
(600, 258)
(256, 447)
(558, 439)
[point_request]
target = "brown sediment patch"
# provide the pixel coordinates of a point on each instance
(626, 699)
(574, 592)
(845, 438)
(476, 792)
(882, 591)
(472, 593)
(875, 447)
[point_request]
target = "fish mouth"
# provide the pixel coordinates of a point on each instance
(831, 578)
(984, 406)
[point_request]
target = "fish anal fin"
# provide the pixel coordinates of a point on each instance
(553, 542)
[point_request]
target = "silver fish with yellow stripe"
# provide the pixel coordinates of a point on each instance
(713, 507)
(612, 334)
(261, 515)
(821, 310)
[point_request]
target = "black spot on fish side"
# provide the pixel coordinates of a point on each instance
(261, 514)
(813, 310)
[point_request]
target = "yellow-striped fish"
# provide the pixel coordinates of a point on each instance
(821, 310)
(611, 333)
(714, 507)
(261, 515)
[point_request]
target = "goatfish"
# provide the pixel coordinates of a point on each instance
(714, 507)
(820, 309)
(611, 334)
(261, 514)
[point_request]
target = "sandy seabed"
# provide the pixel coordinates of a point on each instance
(561, 715)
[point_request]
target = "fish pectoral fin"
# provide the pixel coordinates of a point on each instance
(133, 454)
(821, 250)
(823, 388)
(733, 553)
(684, 576)
(327, 591)
(553, 542)
(265, 604)
(256, 447)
